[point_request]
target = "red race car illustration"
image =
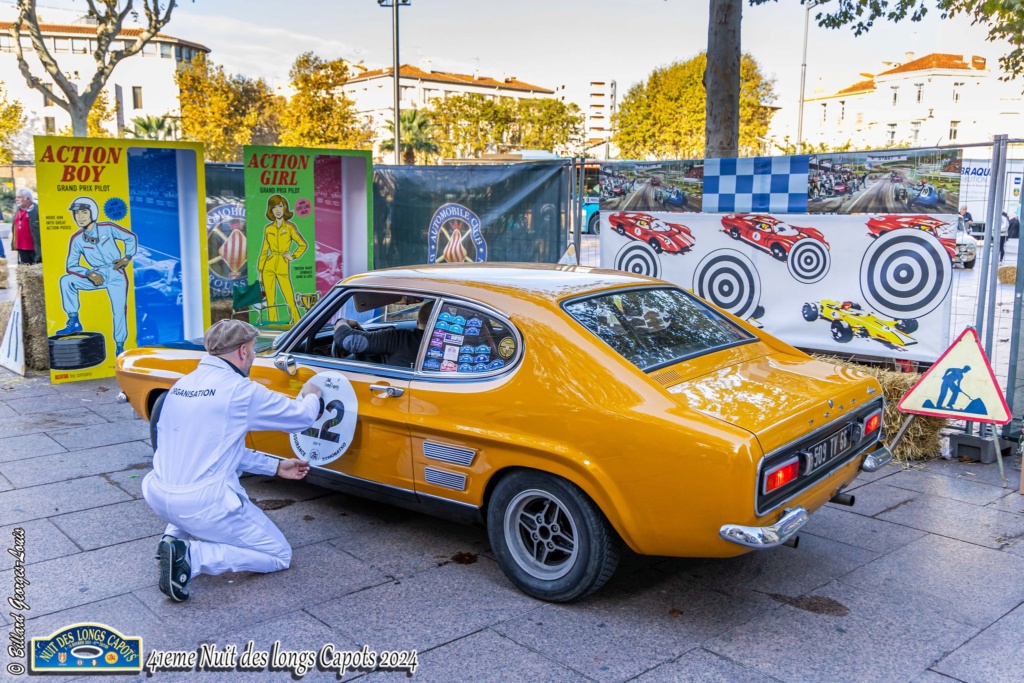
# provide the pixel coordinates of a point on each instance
(662, 236)
(768, 233)
(879, 225)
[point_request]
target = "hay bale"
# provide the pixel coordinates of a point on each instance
(922, 439)
(220, 309)
(5, 276)
(1007, 275)
(5, 314)
(33, 307)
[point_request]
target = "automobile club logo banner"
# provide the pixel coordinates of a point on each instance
(86, 649)
(225, 228)
(455, 236)
(870, 284)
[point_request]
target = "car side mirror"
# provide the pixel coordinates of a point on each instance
(286, 363)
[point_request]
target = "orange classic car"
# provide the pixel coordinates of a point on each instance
(569, 410)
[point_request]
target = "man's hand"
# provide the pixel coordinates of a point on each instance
(353, 324)
(95, 278)
(310, 388)
(292, 469)
(122, 263)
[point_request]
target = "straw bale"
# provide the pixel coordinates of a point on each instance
(33, 306)
(5, 315)
(1007, 275)
(220, 309)
(4, 274)
(922, 440)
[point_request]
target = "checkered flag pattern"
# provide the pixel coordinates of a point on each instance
(756, 184)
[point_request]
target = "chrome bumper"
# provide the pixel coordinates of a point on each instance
(761, 537)
(877, 459)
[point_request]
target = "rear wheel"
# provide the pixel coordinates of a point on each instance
(734, 233)
(549, 538)
(907, 326)
(620, 229)
(841, 331)
(594, 224)
(655, 245)
(778, 252)
(810, 312)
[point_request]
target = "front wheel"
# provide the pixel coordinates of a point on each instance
(621, 230)
(970, 264)
(594, 224)
(655, 245)
(549, 538)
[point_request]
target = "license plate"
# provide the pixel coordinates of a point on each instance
(828, 449)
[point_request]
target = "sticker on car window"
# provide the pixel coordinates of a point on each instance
(434, 353)
(431, 364)
(451, 353)
(507, 347)
(472, 331)
(330, 436)
(453, 338)
(449, 366)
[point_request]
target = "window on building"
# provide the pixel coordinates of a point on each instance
(177, 53)
(920, 92)
(80, 46)
(165, 51)
(915, 130)
(47, 100)
(137, 97)
(890, 134)
(62, 45)
(956, 91)
(824, 112)
(26, 44)
(895, 94)
(842, 110)
(151, 49)
(430, 93)
(953, 130)
(51, 125)
(6, 43)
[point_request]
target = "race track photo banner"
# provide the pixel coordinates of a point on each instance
(876, 285)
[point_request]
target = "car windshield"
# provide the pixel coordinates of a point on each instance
(659, 226)
(783, 229)
(652, 328)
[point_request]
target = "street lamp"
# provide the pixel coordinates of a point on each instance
(395, 4)
(803, 79)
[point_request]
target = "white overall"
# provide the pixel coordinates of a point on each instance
(200, 453)
(99, 249)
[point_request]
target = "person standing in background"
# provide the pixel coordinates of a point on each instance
(25, 228)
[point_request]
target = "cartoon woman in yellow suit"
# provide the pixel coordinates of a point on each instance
(276, 256)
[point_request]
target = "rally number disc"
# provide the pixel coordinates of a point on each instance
(330, 436)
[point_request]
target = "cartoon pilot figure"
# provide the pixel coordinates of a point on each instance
(95, 261)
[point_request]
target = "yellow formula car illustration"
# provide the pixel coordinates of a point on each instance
(850, 320)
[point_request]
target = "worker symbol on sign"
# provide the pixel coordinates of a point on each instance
(951, 380)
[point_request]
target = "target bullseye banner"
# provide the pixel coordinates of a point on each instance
(875, 285)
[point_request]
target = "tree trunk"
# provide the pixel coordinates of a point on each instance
(79, 118)
(722, 80)
(409, 156)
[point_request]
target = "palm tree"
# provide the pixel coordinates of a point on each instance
(417, 136)
(152, 128)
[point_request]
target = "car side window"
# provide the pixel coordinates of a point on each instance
(463, 341)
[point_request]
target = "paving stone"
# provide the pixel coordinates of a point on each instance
(1011, 502)
(130, 481)
(35, 502)
(218, 604)
(110, 524)
(993, 655)
(5, 483)
(857, 530)
(27, 390)
(472, 659)
(76, 464)
(310, 521)
(45, 422)
(877, 497)
(955, 488)
(971, 471)
(944, 517)
(102, 434)
(930, 676)
(877, 640)
(864, 478)
(632, 625)
(29, 446)
(44, 404)
(261, 487)
(962, 581)
(704, 666)
(116, 412)
(43, 541)
(7, 411)
(428, 609)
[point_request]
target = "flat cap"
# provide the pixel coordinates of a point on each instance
(224, 336)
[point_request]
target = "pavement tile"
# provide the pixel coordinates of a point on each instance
(877, 497)
(116, 412)
(102, 434)
(7, 411)
(1011, 502)
(77, 464)
(48, 421)
(310, 521)
(877, 640)
(5, 484)
(944, 517)
(130, 481)
(67, 582)
(704, 666)
(971, 471)
(27, 390)
(110, 524)
(864, 478)
(44, 404)
(930, 676)
(35, 502)
(43, 541)
(472, 659)
(962, 581)
(28, 446)
(631, 625)
(954, 488)
(857, 530)
(260, 487)
(993, 655)
(218, 604)
(428, 609)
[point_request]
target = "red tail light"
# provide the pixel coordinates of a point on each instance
(780, 475)
(872, 424)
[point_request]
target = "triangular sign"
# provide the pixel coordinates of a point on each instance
(960, 386)
(12, 349)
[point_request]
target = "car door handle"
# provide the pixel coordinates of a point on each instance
(384, 391)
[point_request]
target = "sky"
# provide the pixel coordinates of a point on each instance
(552, 42)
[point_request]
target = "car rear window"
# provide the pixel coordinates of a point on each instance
(652, 328)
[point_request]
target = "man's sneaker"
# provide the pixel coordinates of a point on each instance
(73, 326)
(175, 569)
(167, 538)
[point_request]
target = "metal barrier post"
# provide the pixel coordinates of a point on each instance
(997, 217)
(986, 261)
(581, 189)
(1014, 395)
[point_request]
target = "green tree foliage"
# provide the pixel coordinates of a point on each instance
(152, 128)
(225, 111)
(663, 117)
(98, 120)
(319, 114)
(418, 136)
(12, 120)
(472, 125)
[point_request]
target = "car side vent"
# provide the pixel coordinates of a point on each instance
(450, 454)
(667, 377)
(449, 480)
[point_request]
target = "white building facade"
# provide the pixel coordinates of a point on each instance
(141, 85)
(602, 106)
(938, 99)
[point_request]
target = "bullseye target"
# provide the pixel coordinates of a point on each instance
(905, 274)
(639, 259)
(729, 280)
(808, 261)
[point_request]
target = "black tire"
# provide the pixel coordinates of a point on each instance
(77, 351)
(778, 252)
(841, 331)
(655, 245)
(810, 312)
(620, 229)
(758, 313)
(970, 264)
(907, 325)
(734, 233)
(593, 550)
(594, 224)
(154, 416)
